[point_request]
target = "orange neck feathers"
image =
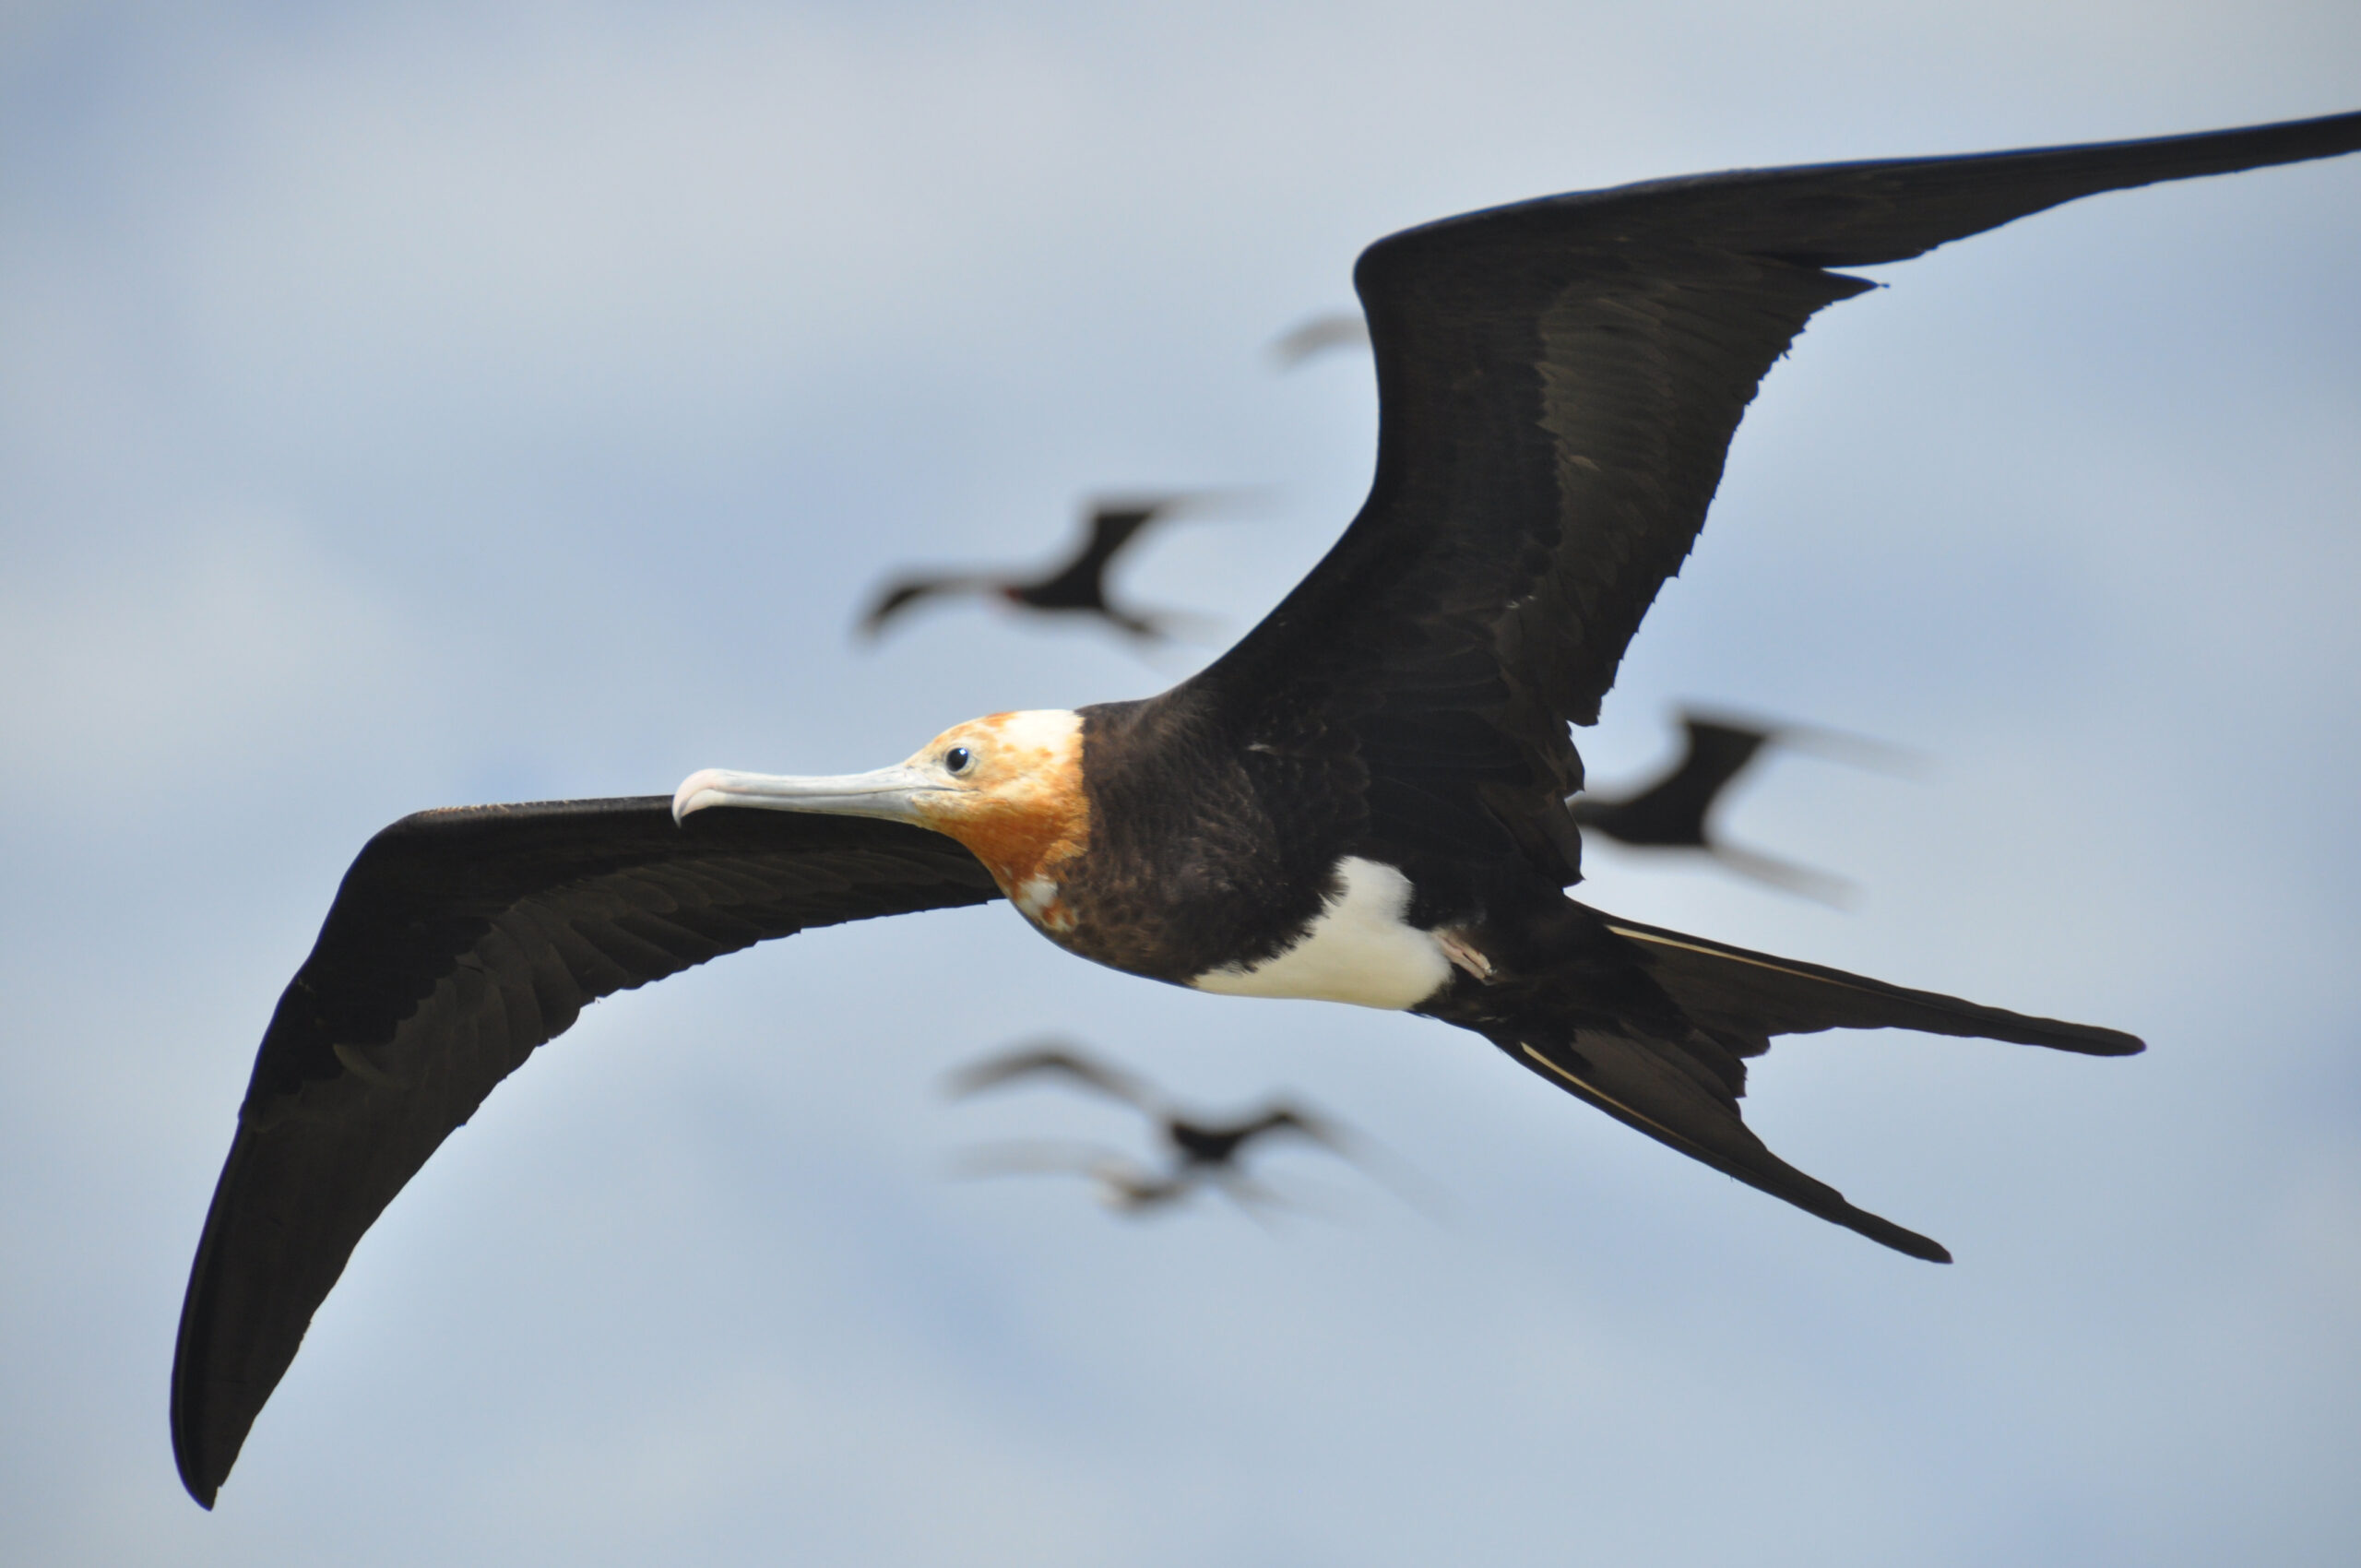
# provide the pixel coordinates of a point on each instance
(1027, 814)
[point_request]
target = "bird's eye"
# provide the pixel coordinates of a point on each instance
(958, 759)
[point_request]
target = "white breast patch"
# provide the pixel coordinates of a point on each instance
(1359, 949)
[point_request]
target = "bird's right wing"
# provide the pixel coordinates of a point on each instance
(459, 940)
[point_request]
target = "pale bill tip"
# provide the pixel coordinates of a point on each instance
(699, 789)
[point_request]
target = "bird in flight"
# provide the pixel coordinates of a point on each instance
(1074, 586)
(1676, 811)
(1201, 1151)
(1362, 801)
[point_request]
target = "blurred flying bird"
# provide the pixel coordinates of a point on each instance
(1075, 585)
(1321, 333)
(1362, 801)
(1677, 810)
(1195, 1144)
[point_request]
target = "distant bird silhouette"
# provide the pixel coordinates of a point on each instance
(1339, 330)
(1676, 812)
(1197, 1145)
(1076, 586)
(1202, 1153)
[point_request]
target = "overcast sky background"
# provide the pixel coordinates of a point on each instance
(403, 406)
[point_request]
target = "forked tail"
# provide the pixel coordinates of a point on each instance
(1755, 995)
(1676, 1075)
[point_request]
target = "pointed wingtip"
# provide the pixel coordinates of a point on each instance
(2089, 1040)
(201, 1479)
(1879, 1229)
(200, 1488)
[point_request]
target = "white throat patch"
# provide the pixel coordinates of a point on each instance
(1055, 732)
(1359, 949)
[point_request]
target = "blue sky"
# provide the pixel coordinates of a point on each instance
(422, 405)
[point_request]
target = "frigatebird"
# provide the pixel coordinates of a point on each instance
(1676, 810)
(1194, 1142)
(1199, 1151)
(1074, 586)
(1362, 801)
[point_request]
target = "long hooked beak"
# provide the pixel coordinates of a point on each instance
(889, 792)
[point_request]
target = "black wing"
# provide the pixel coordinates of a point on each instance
(900, 594)
(1559, 382)
(1672, 811)
(1081, 583)
(459, 940)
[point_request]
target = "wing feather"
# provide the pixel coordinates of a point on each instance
(460, 941)
(1559, 382)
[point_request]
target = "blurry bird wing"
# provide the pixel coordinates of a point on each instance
(1672, 810)
(1336, 330)
(1717, 754)
(459, 940)
(902, 592)
(1287, 1119)
(1804, 881)
(1056, 1062)
(1081, 583)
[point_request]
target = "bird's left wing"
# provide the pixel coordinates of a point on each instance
(458, 941)
(1559, 382)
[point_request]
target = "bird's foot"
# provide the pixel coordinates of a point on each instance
(1460, 951)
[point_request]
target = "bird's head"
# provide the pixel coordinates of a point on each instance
(1007, 786)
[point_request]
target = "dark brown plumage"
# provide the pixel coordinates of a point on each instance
(458, 941)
